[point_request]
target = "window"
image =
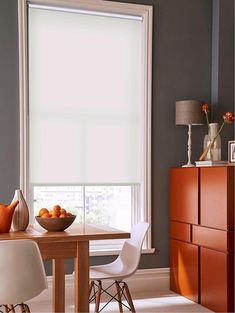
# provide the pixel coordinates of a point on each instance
(85, 87)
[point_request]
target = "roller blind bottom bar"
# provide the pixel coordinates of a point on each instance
(52, 184)
(87, 12)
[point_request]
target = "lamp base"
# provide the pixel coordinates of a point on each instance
(188, 165)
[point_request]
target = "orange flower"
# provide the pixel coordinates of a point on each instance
(205, 107)
(228, 117)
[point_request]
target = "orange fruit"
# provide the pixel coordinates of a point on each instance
(56, 207)
(69, 214)
(46, 215)
(63, 211)
(62, 215)
(54, 216)
(43, 211)
(55, 212)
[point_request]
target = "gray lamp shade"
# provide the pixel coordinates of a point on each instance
(189, 112)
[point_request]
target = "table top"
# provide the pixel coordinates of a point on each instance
(76, 232)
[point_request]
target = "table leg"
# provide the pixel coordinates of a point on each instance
(58, 289)
(81, 278)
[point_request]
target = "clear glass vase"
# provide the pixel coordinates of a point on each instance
(214, 153)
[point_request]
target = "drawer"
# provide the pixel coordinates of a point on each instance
(184, 195)
(215, 239)
(180, 231)
(184, 269)
(217, 197)
(217, 280)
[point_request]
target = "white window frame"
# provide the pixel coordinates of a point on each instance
(145, 12)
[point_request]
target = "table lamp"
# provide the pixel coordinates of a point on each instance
(189, 112)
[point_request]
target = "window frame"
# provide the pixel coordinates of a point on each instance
(145, 11)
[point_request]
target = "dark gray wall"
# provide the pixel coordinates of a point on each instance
(182, 40)
(222, 91)
(9, 103)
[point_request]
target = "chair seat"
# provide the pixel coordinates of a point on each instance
(115, 271)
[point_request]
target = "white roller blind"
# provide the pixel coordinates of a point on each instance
(85, 98)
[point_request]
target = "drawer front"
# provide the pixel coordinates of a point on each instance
(231, 193)
(215, 287)
(184, 195)
(184, 269)
(217, 205)
(180, 231)
(231, 285)
(215, 239)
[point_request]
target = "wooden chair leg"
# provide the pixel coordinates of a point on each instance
(98, 295)
(119, 295)
(6, 310)
(129, 297)
(90, 287)
(12, 309)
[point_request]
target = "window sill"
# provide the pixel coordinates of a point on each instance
(117, 251)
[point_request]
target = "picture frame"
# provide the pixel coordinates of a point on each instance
(231, 152)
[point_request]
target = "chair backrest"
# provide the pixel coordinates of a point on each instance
(131, 251)
(22, 274)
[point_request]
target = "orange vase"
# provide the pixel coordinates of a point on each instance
(6, 214)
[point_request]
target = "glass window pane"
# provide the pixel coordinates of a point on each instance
(68, 197)
(104, 205)
(109, 205)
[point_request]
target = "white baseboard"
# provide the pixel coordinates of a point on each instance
(149, 281)
(143, 281)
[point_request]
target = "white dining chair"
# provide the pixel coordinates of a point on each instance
(22, 274)
(123, 267)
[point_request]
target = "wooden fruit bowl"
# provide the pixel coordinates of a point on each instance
(55, 224)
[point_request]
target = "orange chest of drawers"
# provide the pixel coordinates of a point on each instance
(202, 235)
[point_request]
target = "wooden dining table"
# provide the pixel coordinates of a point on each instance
(71, 243)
